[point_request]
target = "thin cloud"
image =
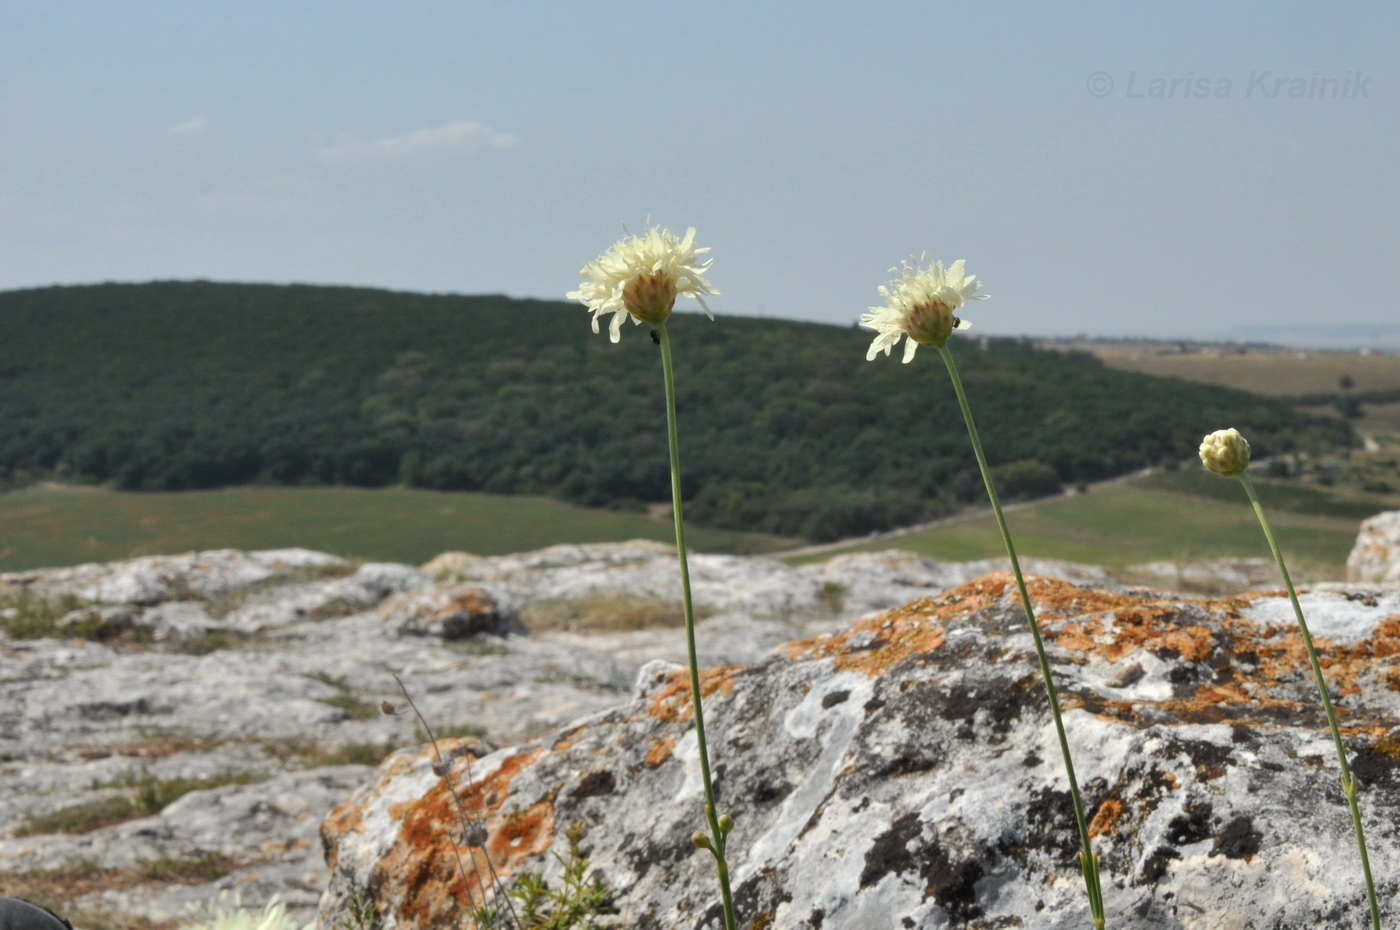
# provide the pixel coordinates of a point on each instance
(190, 127)
(451, 139)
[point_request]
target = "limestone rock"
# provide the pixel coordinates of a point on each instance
(267, 832)
(255, 679)
(157, 578)
(754, 586)
(449, 613)
(904, 772)
(868, 581)
(1376, 555)
(1217, 576)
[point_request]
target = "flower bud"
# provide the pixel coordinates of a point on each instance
(699, 840)
(441, 767)
(387, 708)
(474, 836)
(1225, 452)
(726, 823)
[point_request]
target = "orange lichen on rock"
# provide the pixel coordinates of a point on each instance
(1244, 664)
(672, 702)
(1054, 599)
(1384, 641)
(1106, 820)
(660, 750)
(1212, 631)
(880, 642)
(1133, 625)
(522, 834)
(424, 863)
(348, 815)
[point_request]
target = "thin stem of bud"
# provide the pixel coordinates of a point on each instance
(1348, 780)
(1088, 861)
(718, 837)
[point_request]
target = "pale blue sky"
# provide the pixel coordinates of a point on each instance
(457, 147)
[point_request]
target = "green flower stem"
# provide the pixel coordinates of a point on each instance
(718, 838)
(1088, 861)
(1348, 782)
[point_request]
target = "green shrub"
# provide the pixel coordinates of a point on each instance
(1026, 479)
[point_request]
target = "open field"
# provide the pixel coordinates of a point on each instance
(1274, 371)
(1181, 516)
(54, 526)
(1184, 516)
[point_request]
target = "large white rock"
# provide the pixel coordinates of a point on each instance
(1376, 555)
(905, 773)
(270, 665)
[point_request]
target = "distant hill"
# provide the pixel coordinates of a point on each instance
(784, 425)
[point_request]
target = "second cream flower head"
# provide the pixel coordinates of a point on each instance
(919, 304)
(641, 276)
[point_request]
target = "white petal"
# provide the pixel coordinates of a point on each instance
(910, 347)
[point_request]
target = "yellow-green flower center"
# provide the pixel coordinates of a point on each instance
(650, 297)
(929, 322)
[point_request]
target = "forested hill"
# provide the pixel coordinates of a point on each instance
(784, 426)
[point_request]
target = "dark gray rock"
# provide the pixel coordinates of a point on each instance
(19, 914)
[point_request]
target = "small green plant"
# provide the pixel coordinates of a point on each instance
(338, 607)
(361, 913)
(28, 616)
(81, 818)
(574, 903)
(833, 595)
(210, 641)
(205, 867)
(344, 698)
(315, 755)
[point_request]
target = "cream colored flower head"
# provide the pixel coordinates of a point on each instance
(1225, 452)
(640, 277)
(919, 304)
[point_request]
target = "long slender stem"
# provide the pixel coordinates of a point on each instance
(1348, 781)
(717, 836)
(1088, 861)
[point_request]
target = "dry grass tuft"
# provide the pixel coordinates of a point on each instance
(145, 795)
(607, 613)
(57, 888)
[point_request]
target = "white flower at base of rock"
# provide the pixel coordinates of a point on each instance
(1225, 452)
(641, 276)
(919, 304)
(226, 912)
